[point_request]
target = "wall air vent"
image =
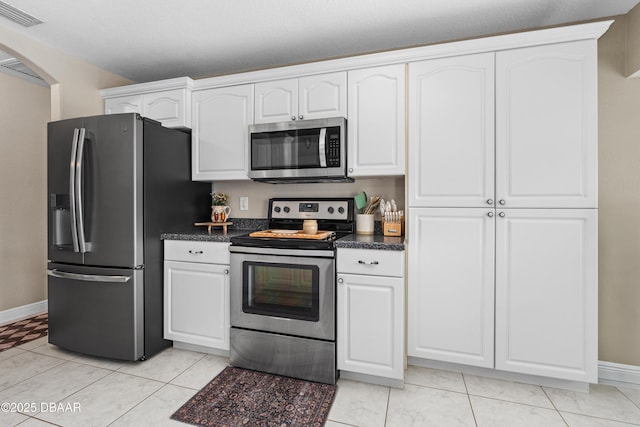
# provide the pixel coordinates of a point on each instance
(16, 15)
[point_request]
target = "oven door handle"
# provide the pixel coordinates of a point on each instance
(315, 253)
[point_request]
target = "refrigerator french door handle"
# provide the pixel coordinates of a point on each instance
(72, 190)
(87, 277)
(322, 148)
(79, 210)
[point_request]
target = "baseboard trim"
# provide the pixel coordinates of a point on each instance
(617, 374)
(18, 313)
(200, 349)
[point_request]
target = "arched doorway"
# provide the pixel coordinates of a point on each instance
(25, 109)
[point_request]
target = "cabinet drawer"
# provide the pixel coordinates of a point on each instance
(371, 261)
(208, 252)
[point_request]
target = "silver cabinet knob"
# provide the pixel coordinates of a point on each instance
(489, 201)
(341, 280)
(301, 117)
(293, 117)
(501, 214)
(226, 271)
(490, 214)
(502, 202)
(350, 169)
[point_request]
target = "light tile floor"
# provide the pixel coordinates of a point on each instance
(51, 386)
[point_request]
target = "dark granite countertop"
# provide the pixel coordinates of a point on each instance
(238, 227)
(376, 241)
(245, 226)
(216, 235)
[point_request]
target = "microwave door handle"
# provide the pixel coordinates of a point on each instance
(72, 190)
(79, 210)
(322, 147)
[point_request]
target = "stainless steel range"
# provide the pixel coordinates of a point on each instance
(283, 290)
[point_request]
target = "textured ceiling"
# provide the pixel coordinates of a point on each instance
(146, 40)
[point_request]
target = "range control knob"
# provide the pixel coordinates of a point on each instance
(341, 210)
(277, 209)
(286, 209)
(330, 209)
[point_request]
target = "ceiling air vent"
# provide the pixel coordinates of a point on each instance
(16, 15)
(14, 67)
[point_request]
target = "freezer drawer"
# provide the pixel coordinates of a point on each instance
(96, 311)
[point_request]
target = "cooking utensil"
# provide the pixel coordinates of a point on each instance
(372, 205)
(360, 201)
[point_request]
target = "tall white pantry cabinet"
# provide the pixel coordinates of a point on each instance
(502, 194)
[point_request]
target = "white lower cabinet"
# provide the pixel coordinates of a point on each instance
(451, 285)
(543, 279)
(196, 293)
(371, 312)
(547, 293)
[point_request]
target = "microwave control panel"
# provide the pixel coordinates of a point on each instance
(333, 147)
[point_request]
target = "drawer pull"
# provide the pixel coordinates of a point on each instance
(368, 262)
(195, 252)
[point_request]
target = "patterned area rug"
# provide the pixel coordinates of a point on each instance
(22, 331)
(240, 397)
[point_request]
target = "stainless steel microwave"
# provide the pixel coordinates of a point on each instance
(299, 151)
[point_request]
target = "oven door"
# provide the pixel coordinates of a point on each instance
(283, 291)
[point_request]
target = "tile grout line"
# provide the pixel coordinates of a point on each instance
(138, 404)
(473, 412)
(554, 406)
(386, 413)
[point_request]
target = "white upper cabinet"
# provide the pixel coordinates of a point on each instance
(276, 101)
(547, 292)
(311, 97)
(546, 126)
(376, 121)
(123, 104)
(451, 132)
(220, 135)
(166, 101)
(169, 108)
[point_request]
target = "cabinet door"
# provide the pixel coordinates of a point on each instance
(220, 136)
(322, 96)
(376, 115)
(123, 104)
(546, 126)
(451, 132)
(547, 293)
(370, 325)
(276, 101)
(196, 303)
(171, 107)
(451, 285)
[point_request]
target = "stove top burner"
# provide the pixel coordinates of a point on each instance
(335, 217)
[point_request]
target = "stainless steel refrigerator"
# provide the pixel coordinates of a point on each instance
(115, 184)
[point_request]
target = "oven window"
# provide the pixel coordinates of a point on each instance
(296, 149)
(281, 290)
